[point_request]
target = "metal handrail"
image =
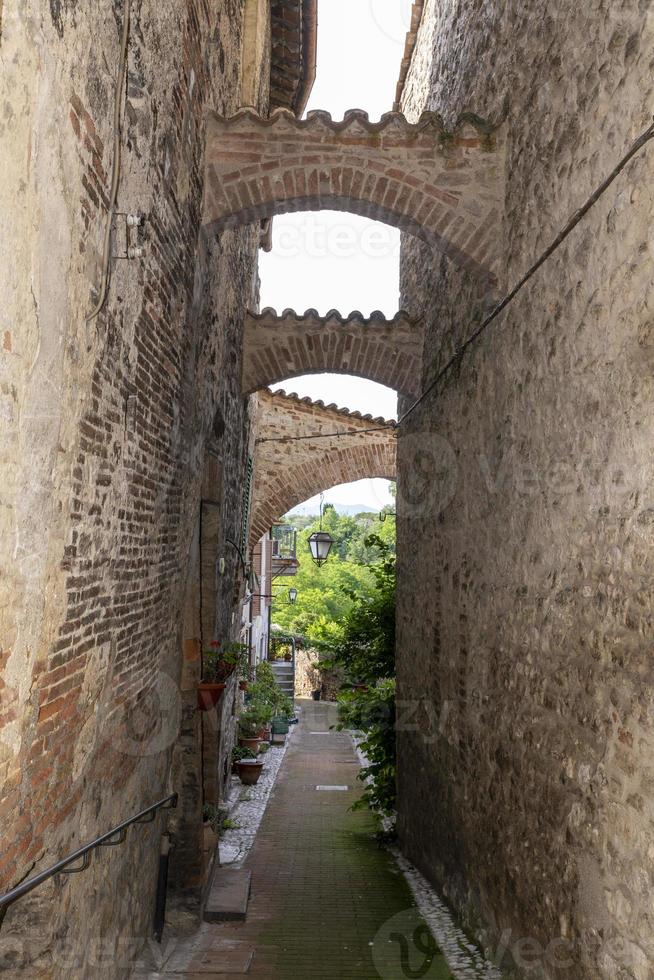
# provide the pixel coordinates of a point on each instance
(61, 867)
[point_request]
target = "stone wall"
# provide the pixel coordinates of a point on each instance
(309, 677)
(291, 344)
(525, 500)
(443, 185)
(106, 431)
(288, 472)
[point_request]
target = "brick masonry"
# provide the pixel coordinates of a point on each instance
(286, 473)
(525, 593)
(105, 433)
(286, 346)
(446, 187)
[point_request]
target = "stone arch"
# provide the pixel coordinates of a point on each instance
(446, 188)
(287, 473)
(283, 346)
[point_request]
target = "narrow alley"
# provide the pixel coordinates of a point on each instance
(326, 900)
(326, 399)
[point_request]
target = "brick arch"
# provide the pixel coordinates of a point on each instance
(446, 188)
(283, 346)
(287, 473)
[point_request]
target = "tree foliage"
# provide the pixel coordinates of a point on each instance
(326, 595)
(366, 652)
(372, 712)
(347, 610)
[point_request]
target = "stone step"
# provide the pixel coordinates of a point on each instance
(228, 897)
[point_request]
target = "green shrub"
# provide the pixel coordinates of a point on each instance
(366, 652)
(266, 692)
(372, 712)
(254, 718)
(219, 662)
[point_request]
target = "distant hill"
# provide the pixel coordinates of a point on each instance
(310, 510)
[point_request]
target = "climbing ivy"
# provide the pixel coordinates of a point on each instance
(372, 712)
(365, 651)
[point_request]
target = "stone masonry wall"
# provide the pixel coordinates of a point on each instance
(309, 677)
(288, 345)
(525, 554)
(286, 473)
(105, 432)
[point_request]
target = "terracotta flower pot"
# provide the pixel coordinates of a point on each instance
(209, 695)
(251, 744)
(249, 771)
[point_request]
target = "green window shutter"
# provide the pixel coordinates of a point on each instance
(247, 504)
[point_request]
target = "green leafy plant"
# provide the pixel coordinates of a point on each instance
(366, 653)
(372, 712)
(239, 753)
(253, 719)
(266, 692)
(214, 815)
(220, 661)
(325, 595)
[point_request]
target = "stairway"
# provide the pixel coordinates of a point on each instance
(284, 672)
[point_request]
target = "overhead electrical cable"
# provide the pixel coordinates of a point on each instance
(566, 231)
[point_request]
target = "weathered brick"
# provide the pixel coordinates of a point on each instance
(278, 488)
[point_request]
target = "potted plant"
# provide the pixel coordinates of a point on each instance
(218, 665)
(238, 754)
(250, 724)
(249, 771)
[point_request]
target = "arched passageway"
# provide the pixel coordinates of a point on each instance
(289, 472)
(388, 352)
(446, 188)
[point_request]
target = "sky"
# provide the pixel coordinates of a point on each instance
(334, 260)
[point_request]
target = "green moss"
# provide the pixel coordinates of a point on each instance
(337, 926)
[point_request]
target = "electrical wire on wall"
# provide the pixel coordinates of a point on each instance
(567, 230)
(115, 166)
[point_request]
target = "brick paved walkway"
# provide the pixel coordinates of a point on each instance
(321, 887)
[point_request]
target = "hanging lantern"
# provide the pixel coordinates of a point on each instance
(292, 596)
(320, 544)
